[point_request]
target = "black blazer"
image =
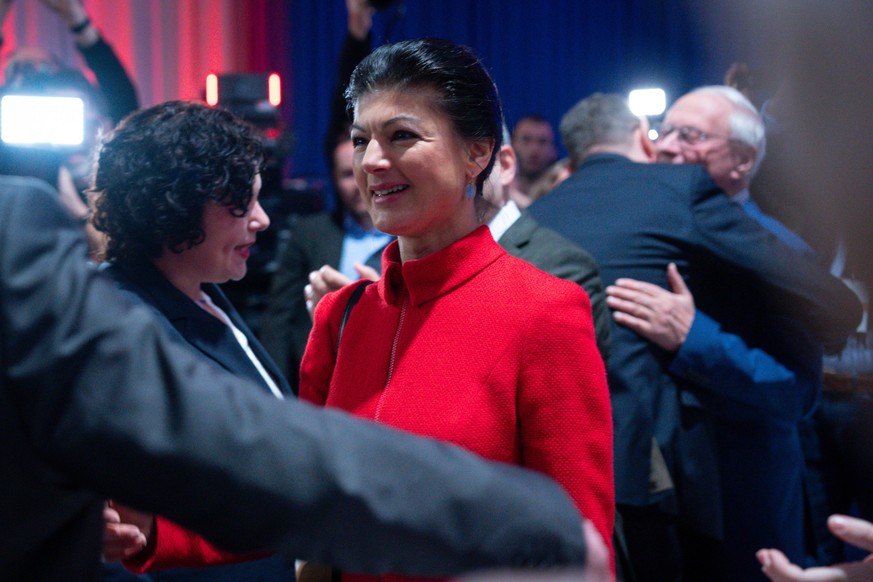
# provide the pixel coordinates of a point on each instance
(635, 219)
(557, 255)
(190, 324)
(96, 401)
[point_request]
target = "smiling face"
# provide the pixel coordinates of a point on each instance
(726, 161)
(226, 246)
(411, 168)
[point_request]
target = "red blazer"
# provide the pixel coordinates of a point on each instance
(474, 347)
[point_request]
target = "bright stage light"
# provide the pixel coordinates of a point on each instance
(647, 102)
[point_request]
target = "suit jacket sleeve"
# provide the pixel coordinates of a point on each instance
(115, 83)
(795, 284)
(104, 402)
(726, 365)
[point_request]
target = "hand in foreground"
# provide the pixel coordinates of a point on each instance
(125, 531)
(327, 279)
(660, 316)
(854, 531)
(596, 566)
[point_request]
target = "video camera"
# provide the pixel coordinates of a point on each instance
(47, 115)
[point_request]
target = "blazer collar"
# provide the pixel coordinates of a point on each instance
(598, 159)
(200, 329)
(434, 275)
(519, 234)
(178, 308)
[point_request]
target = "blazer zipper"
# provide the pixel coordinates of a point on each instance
(393, 356)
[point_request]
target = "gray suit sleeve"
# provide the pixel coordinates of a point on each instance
(111, 408)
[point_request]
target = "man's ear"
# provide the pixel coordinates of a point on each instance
(745, 155)
(646, 145)
(508, 164)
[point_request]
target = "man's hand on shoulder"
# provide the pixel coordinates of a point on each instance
(661, 316)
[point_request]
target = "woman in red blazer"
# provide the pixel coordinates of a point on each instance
(457, 340)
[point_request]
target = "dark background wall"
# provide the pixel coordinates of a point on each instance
(544, 55)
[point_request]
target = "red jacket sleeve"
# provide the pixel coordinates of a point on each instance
(564, 409)
(172, 546)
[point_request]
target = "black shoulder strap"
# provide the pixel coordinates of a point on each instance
(356, 294)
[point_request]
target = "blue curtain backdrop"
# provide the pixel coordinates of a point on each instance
(544, 55)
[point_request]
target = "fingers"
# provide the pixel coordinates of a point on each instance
(857, 532)
(623, 307)
(327, 279)
(110, 515)
(367, 272)
(777, 567)
(634, 285)
(121, 541)
(677, 283)
(637, 298)
(322, 282)
(597, 556)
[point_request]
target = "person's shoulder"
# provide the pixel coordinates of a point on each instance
(530, 280)
(689, 175)
(548, 239)
(127, 283)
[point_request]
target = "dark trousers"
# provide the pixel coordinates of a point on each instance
(661, 550)
(839, 468)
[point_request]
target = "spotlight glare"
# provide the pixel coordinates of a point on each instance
(212, 89)
(274, 89)
(645, 102)
(42, 120)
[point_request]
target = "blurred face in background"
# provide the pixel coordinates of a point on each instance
(344, 182)
(534, 145)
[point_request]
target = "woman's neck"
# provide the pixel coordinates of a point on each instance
(179, 275)
(412, 248)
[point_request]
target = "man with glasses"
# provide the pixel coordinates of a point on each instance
(636, 218)
(777, 363)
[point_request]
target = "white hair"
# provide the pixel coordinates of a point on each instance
(745, 123)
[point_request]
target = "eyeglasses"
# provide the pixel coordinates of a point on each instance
(687, 134)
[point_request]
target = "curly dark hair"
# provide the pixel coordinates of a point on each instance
(160, 167)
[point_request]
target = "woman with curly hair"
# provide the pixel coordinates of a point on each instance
(176, 195)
